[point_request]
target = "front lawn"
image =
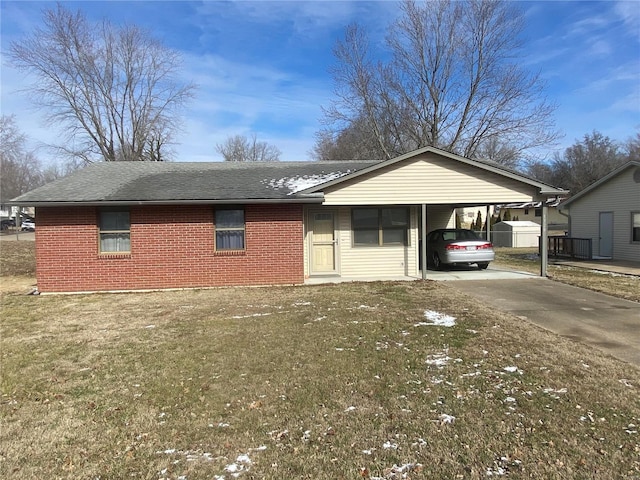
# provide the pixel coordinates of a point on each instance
(319, 382)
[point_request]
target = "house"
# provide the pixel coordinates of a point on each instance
(142, 225)
(608, 213)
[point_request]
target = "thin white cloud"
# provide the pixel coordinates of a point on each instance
(629, 13)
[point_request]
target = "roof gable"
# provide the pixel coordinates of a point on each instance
(597, 184)
(544, 189)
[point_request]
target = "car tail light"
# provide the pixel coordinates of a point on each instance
(484, 246)
(455, 246)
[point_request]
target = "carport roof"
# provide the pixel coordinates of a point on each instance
(127, 183)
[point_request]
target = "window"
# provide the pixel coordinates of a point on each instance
(115, 231)
(380, 226)
(635, 226)
(229, 229)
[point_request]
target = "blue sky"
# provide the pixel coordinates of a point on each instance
(262, 67)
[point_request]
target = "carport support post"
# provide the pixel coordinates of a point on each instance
(487, 219)
(423, 238)
(544, 239)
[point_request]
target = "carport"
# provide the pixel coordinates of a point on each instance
(432, 184)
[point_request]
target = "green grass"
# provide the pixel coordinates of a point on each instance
(322, 382)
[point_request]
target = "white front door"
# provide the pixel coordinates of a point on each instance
(606, 235)
(323, 242)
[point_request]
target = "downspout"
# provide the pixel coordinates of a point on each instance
(568, 216)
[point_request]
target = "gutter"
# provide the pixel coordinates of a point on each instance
(310, 198)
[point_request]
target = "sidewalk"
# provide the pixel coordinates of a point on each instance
(614, 266)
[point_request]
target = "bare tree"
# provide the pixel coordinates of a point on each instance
(583, 163)
(632, 148)
(356, 142)
(239, 148)
(113, 90)
(452, 81)
(20, 169)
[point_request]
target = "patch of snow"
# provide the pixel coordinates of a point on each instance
(445, 418)
(439, 359)
(252, 315)
(437, 319)
(302, 182)
(510, 369)
(390, 446)
(499, 471)
(350, 409)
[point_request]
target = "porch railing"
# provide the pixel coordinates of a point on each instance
(561, 246)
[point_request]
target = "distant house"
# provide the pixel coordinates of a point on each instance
(153, 225)
(532, 212)
(608, 213)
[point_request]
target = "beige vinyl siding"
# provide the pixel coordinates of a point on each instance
(439, 216)
(554, 217)
(359, 262)
(620, 195)
(429, 179)
(395, 260)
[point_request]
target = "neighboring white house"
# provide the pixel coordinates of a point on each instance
(608, 213)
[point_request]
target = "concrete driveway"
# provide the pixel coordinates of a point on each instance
(473, 273)
(608, 323)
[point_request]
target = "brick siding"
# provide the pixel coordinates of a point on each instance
(171, 247)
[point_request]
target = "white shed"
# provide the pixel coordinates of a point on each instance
(515, 234)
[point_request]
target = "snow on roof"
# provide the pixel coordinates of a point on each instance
(302, 182)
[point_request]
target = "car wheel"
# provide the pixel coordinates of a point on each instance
(483, 266)
(435, 260)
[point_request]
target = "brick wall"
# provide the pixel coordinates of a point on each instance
(171, 247)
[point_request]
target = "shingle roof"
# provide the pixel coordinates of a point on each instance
(220, 182)
(168, 182)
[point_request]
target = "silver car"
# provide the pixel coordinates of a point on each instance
(451, 246)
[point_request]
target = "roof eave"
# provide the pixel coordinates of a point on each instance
(315, 199)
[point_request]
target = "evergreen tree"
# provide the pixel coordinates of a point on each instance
(477, 226)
